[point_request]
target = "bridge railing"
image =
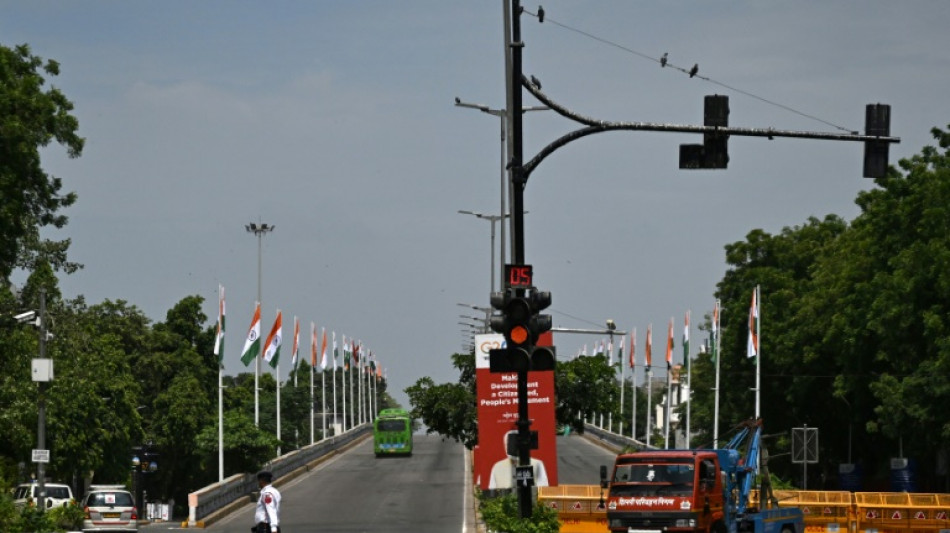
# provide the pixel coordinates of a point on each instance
(207, 504)
(614, 440)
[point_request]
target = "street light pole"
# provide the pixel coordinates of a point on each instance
(502, 114)
(258, 229)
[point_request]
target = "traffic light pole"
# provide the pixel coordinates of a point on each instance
(518, 180)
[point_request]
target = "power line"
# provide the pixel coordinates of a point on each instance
(692, 72)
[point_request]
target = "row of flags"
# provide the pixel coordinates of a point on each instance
(252, 346)
(752, 346)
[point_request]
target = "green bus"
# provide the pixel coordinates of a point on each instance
(392, 433)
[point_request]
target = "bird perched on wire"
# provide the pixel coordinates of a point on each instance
(694, 70)
(663, 59)
(540, 14)
(536, 82)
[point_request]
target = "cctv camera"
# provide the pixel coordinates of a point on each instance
(25, 317)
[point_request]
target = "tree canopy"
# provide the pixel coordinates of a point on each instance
(32, 115)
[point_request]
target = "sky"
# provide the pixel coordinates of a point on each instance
(335, 123)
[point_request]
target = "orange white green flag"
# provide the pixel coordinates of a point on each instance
(252, 344)
(669, 346)
(752, 347)
(219, 335)
(323, 351)
(272, 345)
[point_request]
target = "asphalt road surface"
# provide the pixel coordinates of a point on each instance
(428, 492)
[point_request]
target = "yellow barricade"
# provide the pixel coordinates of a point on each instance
(830, 511)
(578, 507)
(901, 512)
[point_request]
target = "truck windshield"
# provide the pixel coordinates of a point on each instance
(675, 479)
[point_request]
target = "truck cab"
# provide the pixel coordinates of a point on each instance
(701, 490)
(674, 490)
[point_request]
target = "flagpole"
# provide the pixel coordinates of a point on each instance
(313, 368)
(334, 383)
(343, 382)
(669, 400)
(649, 378)
(649, 404)
(633, 390)
(758, 351)
(359, 379)
(219, 352)
(669, 387)
(277, 376)
(717, 356)
(622, 387)
(689, 373)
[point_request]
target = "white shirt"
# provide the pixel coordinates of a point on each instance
(268, 507)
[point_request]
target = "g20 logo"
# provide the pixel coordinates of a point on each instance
(487, 346)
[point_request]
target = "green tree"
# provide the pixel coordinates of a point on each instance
(585, 386)
(32, 115)
(448, 409)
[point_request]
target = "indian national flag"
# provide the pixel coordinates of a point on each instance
(649, 350)
(715, 331)
(752, 348)
(686, 341)
(633, 348)
(620, 353)
(272, 350)
(293, 356)
(669, 346)
(252, 345)
(219, 336)
(335, 353)
(313, 345)
(323, 350)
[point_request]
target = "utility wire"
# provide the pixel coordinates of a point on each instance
(692, 72)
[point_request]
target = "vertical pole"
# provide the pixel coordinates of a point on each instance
(323, 410)
(758, 352)
(517, 216)
(313, 370)
(718, 357)
(669, 400)
(633, 416)
(277, 376)
(623, 385)
(257, 360)
(220, 426)
(502, 119)
(41, 410)
(508, 118)
(649, 428)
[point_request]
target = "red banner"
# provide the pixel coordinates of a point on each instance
(497, 397)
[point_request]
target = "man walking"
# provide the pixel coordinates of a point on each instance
(267, 513)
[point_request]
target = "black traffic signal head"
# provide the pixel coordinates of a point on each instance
(514, 319)
(714, 152)
(877, 121)
(539, 300)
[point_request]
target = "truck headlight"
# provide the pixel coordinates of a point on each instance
(686, 522)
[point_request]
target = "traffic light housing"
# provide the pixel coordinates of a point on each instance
(520, 321)
(877, 121)
(714, 152)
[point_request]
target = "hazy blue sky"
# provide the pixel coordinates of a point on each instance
(334, 121)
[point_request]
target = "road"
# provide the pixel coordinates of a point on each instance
(427, 492)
